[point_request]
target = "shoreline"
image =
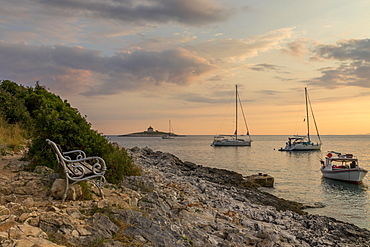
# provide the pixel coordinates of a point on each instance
(174, 203)
(217, 196)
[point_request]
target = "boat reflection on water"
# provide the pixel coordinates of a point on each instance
(339, 199)
(344, 190)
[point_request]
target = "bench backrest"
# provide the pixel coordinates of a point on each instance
(57, 151)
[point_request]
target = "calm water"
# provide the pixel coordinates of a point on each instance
(297, 175)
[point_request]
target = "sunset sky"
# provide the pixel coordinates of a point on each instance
(131, 64)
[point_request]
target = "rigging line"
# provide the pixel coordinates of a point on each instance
(245, 120)
(313, 117)
(227, 113)
(297, 126)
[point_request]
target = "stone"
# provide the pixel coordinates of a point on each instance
(260, 180)
(74, 213)
(28, 202)
(6, 190)
(31, 231)
(43, 170)
(25, 216)
(5, 226)
(58, 188)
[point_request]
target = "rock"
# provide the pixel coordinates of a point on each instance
(58, 188)
(314, 205)
(260, 180)
(43, 170)
(5, 226)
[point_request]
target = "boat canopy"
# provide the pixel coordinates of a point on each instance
(298, 138)
(341, 157)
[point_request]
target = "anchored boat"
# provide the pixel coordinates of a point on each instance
(304, 143)
(234, 140)
(170, 132)
(342, 167)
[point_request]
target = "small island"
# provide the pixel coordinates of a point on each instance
(150, 132)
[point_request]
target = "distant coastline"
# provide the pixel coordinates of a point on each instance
(150, 132)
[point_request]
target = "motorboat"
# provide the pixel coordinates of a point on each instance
(342, 167)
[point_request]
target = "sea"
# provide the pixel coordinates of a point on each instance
(297, 174)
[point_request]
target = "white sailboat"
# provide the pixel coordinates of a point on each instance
(234, 140)
(170, 132)
(301, 142)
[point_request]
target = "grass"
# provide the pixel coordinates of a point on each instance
(11, 137)
(86, 190)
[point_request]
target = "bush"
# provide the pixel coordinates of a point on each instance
(116, 157)
(47, 116)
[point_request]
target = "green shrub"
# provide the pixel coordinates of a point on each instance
(47, 116)
(116, 157)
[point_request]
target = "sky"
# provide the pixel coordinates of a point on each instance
(131, 64)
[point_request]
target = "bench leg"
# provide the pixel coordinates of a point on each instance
(65, 190)
(100, 183)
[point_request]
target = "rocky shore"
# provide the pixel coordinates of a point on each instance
(174, 203)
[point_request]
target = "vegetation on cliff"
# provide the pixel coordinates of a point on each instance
(36, 114)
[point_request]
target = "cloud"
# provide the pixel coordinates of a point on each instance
(297, 48)
(285, 79)
(22, 21)
(96, 22)
(264, 67)
(354, 69)
(199, 98)
(345, 50)
(216, 78)
(189, 12)
(235, 50)
(79, 69)
(215, 97)
(160, 43)
(269, 92)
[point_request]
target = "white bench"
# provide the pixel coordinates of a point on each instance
(79, 168)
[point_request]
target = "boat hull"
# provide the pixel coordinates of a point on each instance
(348, 175)
(302, 147)
(230, 143)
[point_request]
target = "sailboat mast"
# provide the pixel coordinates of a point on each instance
(236, 111)
(308, 122)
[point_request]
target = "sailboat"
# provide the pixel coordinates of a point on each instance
(233, 140)
(303, 142)
(170, 131)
